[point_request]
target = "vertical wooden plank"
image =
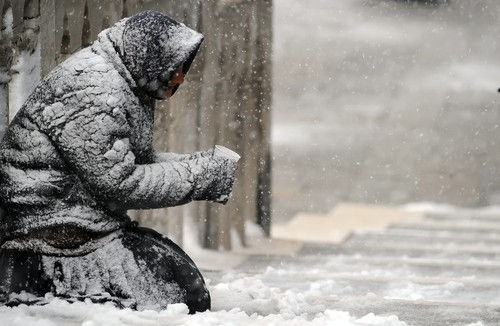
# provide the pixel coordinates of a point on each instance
(131, 7)
(4, 5)
(5, 64)
(251, 139)
(205, 102)
(74, 12)
(48, 35)
(93, 21)
(112, 12)
(31, 9)
(218, 226)
(232, 108)
(208, 120)
(5, 59)
(25, 68)
(229, 66)
(226, 109)
(263, 91)
(194, 213)
(17, 12)
(61, 29)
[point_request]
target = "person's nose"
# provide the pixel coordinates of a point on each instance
(178, 78)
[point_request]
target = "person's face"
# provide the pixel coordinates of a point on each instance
(176, 80)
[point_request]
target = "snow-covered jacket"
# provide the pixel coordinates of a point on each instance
(79, 151)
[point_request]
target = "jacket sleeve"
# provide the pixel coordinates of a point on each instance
(169, 156)
(95, 145)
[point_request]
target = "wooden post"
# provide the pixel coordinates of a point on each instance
(48, 35)
(5, 64)
(263, 92)
(207, 120)
(25, 66)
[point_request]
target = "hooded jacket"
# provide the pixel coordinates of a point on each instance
(79, 151)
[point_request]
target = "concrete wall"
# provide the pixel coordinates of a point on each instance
(225, 100)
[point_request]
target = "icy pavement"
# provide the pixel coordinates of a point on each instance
(440, 270)
(62, 313)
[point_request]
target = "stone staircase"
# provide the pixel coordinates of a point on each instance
(440, 269)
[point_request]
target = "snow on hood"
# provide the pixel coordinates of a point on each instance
(147, 48)
(154, 46)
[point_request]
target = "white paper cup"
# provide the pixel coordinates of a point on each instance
(221, 151)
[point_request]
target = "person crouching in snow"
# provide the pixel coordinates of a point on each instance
(79, 154)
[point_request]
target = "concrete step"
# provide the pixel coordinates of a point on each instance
(460, 252)
(378, 266)
(464, 217)
(449, 225)
(480, 235)
(434, 245)
(429, 236)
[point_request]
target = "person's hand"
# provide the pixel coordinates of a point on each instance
(228, 163)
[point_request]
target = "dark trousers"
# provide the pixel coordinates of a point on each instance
(134, 267)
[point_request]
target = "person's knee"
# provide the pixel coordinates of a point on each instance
(198, 297)
(172, 265)
(189, 277)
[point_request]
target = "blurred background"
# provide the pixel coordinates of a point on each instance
(387, 102)
(367, 101)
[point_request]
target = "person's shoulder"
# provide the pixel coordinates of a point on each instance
(85, 71)
(82, 67)
(87, 63)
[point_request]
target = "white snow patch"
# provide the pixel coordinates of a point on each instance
(479, 323)
(8, 20)
(4, 77)
(236, 241)
(414, 291)
(59, 313)
(3, 109)
(27, 66)
(436, 208)
(190, 232)
(429, 207)
(253, 230)
(252, 295)
(237, 300)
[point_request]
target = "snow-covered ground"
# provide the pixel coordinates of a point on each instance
(402, 273)
(238, 301)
